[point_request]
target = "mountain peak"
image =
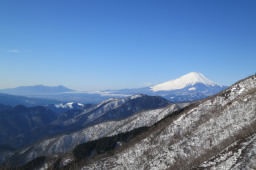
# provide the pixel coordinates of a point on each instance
(183, 81)
(36, 90)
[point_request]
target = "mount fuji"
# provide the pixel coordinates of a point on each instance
(189, 87)
(189, 79)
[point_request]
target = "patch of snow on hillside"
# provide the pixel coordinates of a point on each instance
(80, 104)
(67, 105)
(66, 161)
(70, 105)
(192, 88)
(136, 96)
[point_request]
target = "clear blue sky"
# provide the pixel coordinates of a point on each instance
(113, 44)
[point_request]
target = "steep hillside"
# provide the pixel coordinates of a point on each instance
(117, 109)
(15, 121)
(19, 127)
(113, 109)
(75, 129)
(194, 136)
(67, 142)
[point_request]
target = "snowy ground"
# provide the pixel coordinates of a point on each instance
(195, 136)
(65, 143)
(240, 155)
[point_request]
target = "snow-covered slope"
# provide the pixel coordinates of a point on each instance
(103, 107)
(67, 142)
(239, 155)
(189, 79)
(116, 109)
(88, 124)
(194, 136)
(72, 117)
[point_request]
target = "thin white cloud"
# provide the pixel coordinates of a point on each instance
(14, 51)
(147, 84)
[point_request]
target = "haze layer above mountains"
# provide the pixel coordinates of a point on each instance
(190, 87)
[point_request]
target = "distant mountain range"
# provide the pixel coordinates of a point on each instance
(36, 90)
(14, 100)
(190, 87)
(41, 95)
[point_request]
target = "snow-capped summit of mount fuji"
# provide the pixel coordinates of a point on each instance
(189, 79)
